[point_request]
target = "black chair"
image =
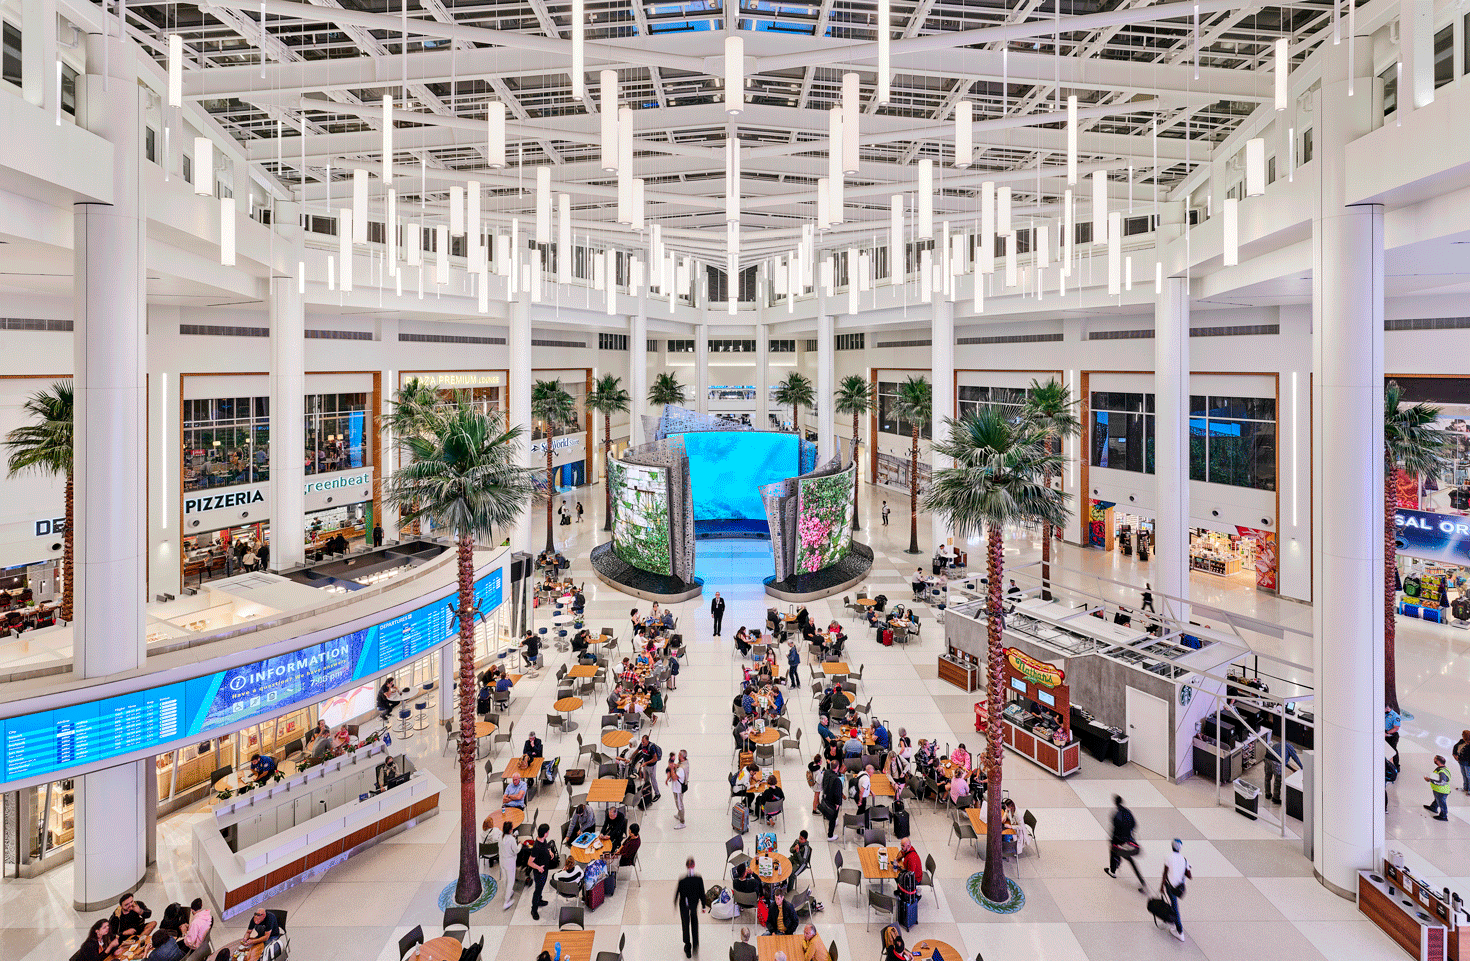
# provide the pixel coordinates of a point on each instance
(610, 956)
(457, 923)
(408, 942)
(571, 914)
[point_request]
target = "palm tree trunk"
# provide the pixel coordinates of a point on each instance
(607, 469)
(914, 494)
(68, 539)
(796, 420)
(993, 884)
(856, 524)
(1046, 533)
(468, 890)
(1390, 620)
(550, 493)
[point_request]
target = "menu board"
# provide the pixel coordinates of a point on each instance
(48, 742)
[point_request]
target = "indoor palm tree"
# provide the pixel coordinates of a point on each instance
(795, 391)
(999, 477)
(666, 389)
(554, 406)
(45, 444)
(411, 412)
(608, 398)
(1052, 407)
(465, 475)
(854, 396)
(1411, 446)
(914, 403)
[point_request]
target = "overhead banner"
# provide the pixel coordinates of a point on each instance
(1435, 537)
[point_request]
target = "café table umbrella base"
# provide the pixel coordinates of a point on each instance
(487, 895)
(1011, 905)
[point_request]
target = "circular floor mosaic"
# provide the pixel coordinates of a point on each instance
(1011, 905)
(487, 883)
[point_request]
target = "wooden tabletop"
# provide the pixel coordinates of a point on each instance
(767, 777)
(767, 945)
(865, 602)
(869, 858)
(834, 667)
(440, 949)
(232, 781)
(484, 729)
(589, 854)
(516, 817)
(583, 670)
(781, 869)
(977, 821)
(770, 735)
(629, 702)
(514, 767)
(924, 950)
(882, 785)
(607, 790)
(568, 704)
(949, 768)
(617, 739)
(602, 639)
(252, 954)
(575, 945)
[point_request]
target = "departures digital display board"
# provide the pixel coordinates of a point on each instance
(50, 741)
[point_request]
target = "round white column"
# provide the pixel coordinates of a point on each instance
(1169, 570)
(825, 387)
(762, 416)
(637, 371)
(1347, 430)
(111, 541)
(521, 375)
(701, 368)
(288, 403)
(941, 371)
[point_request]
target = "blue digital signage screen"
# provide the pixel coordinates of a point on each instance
(53, 741)
(727, 469)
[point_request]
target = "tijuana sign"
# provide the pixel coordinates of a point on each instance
(1037, 672)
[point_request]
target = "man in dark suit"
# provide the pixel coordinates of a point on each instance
(717, 611)
(532, 748)
(687, 893)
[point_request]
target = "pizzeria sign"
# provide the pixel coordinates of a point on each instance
(1037, 672)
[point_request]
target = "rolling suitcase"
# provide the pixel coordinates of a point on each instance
(740, 818)
(887, 637)
(594, 897)
(906, 913)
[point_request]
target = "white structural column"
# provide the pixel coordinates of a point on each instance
(762, 377)
(518, 340)
(1170, 571)
(1347, 486)
(112, 816)
(826, 437)
(638, 371)
(38, 53)
(941, 369)
(701, 368)
(288, 401)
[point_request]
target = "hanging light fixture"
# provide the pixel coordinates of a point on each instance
(472, 220)
(345, 231)
(926, 270)
(609, 118)
(964, 134)
(227, 231)
(885, 54)
(637, 222)
(835, 180)
(732, 181)
(1255, 167)
(1072, 140)
(1115, 252)
(1010, 242)
(579, 49)
(1283, 72)
(543, 205)
(1230, 229)
(926, 199)
(441, 243)
(625, 164)
(456, 211)
(987, 227)
(359, 206)
(896, 246)
(851, 102)
(387, 139)
(1003, 211)
(824, 204)
(203, 166)
(390, 231)
(495, 134)
(734, 75)
(1069, 232)
(564, 238)
(1099, 206)
(175, 70)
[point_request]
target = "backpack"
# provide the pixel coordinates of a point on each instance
(832, 788)
(674, 666)
(549, 771)
(908, 886)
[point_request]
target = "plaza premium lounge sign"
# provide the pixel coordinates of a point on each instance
(1037, 672)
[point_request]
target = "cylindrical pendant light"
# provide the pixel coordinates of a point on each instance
(835, 181)
(1010, 242)
(441, 268)
(885, 55)
(472, 218)
(926, 271)
(1072, 140)
(625, 164)
(203, 166)
(345, 231)
(987, 227)
(824, 204)
(1230, 229)
(495, 134)
(390, 232)
(331, 272)
(610, 272)
(851, 102)
(926, 199)
(1099, 206)
(564, 238)
(456, 211)
(387, 138)
(964, 134)
(734, 75)
(1283, 72)
(732, 181)
(1043, 242)
(413, 243)
(579, 49)
(1003, 211)
(896, 246)
(227, 231)
(637, 221)
(359, 206)
(1115, 252)
(609, 118)
(865, 271)
(1069, 231)
(175, 70)
(1255, 167)
(543, 205)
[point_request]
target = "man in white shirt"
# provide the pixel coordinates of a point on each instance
(674, 778)
(1176, 871)
(865, 788)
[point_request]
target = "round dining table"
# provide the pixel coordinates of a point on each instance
(567, 705)
(601, 845)
(617, 739)
(925, 949)
(516, 817)
(439, 949)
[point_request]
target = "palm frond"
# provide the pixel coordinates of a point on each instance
(795, 391)
(551, 403)
(854, 395)
(464, 475)
(1052, 406)
(413, 407)
(1410, 441)
(608, 396)
(998, 477)
(45, 442)
(666, 389)
(914, 401)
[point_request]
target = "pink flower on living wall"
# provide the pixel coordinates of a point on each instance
(813, 531)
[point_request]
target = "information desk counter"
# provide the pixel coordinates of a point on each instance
(237, 881)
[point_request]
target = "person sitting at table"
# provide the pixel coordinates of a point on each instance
(262, 767)
(894, 949)
(532, 749)
(386, 694)
(1014, 824)
(771, 793)
(747, 702)
(873, 618)
(200, 921)
(882, 740)
(744, 880)
(831, 702)
(100, 943)
(503, 683)
(742, 729)
(628, 850)
(742, 642)
(515, 793)
(129, 917)
(749, 775)
(570, 871)
(781, 915)
(263, 929)
(811, 946)
(961, 757)
(824, 731)
(778, 701)
(853, 746)
(615, 826)
(532, 645)
(579, 602)
(170, 928)
(743, 950)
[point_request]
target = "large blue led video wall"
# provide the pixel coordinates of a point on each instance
(54, 741)
(728, 468)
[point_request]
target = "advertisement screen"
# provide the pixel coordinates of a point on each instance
(823, 520)
(727, 469)
(641, 516)
(49, 741)
(1435, 537)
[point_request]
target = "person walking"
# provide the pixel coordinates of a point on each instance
(1176, 872)
(831, 798)
(793, 661)
(1148, 597)
(1461, 752)
(885, 513)
(378, 535)
(541, 862)
(687, 893)
(1122, 847)
(1439, 783)
(1278, 764)
(509, 848)
(717, 611)
(1391, 722)
(674, 778)
(579, 512)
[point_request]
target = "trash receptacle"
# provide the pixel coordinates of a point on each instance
(1118, 749)
(1247, 798)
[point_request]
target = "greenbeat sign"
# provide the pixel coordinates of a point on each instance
(51, 742)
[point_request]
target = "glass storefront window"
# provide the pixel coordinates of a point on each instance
(337, 429)
(577, 424)
(226, 442)
(887, 422)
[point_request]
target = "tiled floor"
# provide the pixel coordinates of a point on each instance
(1253, 895)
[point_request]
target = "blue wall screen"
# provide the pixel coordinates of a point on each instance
(53, 741)
(728, 468)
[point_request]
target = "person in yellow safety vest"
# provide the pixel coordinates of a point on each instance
(1439, 782)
